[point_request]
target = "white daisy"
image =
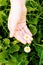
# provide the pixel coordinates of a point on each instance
(27, 49)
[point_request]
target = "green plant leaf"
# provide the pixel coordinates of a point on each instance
(2, 57)
(33, 29)
(0, 37)
(15, 42)
(3, 3)
(14, 48)
(7, 41)
(2, 14)
(34, 20)
(12, 61)
(41, 58)
(39, 49)
(29, 9)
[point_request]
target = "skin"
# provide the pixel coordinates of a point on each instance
(17, 21)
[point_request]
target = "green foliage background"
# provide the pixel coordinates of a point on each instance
(11, 50)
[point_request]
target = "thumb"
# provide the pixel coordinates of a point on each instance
(11, 26)
(12, 30)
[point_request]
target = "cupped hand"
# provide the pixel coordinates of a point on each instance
(17, 23)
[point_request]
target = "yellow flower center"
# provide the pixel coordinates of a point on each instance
(27, 37)
(27, 49)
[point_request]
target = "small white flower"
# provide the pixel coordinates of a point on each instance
(26, 37)
(27, 49)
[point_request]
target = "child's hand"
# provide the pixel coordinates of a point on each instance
(17, 22)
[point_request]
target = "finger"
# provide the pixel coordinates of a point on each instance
(29, 40)
(24, 34)
(27, 30)
(11, 27)
(30, 37)
(12, 30)
(22, 31)
(19, 37)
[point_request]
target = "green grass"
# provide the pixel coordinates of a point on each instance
(11, 50)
